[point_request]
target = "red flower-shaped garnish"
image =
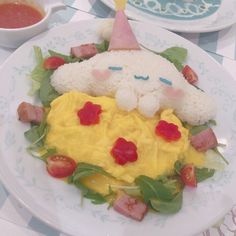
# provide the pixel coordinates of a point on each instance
(167, 131)
(124, 151)
(89, 114)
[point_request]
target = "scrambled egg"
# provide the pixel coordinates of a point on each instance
(92, 144)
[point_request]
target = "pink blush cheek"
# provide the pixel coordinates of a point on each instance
(173, 93)
(101, 74)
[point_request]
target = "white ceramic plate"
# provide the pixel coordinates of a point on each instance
(57, 203)
(148, 11)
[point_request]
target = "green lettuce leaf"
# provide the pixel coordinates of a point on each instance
(176, 55)
(46, 92)
(39, 73)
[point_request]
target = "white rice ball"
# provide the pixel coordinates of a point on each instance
(148, 105)
(197, 108)
(126, 99)
(73, 76)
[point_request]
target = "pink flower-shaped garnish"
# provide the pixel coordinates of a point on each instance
(124, 151)
(167, 131)
(89, 114)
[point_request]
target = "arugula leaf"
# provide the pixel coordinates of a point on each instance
(178, 166)
(37, 133)
(130, 190)
(46, 92)
(169, 183)
(203, 173)
(194, 85)
(46, 152)
(103, 46)
(67, 58)
(151, 189)
(212, 122)
(176, 55)
(168, 207)
(42, 152)
(84, 170)
(96, 198)
(219, 153)
(199, 128)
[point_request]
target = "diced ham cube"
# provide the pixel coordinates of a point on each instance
(84, 51)
(129, 206)
(29, 113)
(204, 140)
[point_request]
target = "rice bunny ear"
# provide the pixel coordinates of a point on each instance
(122, 37)
(120, 4)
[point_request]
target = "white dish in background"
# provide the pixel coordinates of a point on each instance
(13, 38)
(59, 204)
(222, 18)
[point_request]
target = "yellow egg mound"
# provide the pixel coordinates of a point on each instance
(92, 144)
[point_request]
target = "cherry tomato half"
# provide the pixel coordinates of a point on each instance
(189, 74)
(60, 166)
(188, 176)
(52, 63)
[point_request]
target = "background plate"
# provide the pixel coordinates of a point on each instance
(59, 204)
(193, 24)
